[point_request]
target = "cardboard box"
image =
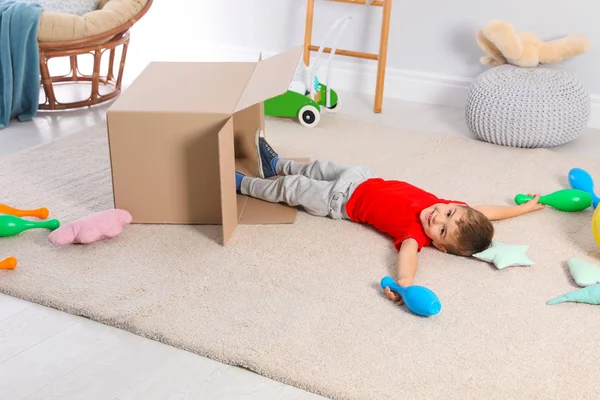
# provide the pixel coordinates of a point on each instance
(179, 132)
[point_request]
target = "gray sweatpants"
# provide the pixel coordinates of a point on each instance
(320, 187)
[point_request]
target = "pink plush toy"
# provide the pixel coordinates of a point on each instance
(90, 229)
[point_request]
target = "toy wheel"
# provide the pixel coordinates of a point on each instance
(309, 116)
(334, 108)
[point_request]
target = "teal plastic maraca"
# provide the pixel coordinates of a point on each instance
(418, 299)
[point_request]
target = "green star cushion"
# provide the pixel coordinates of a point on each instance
(505, 255)
(584, 273)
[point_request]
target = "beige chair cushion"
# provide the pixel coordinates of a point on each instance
(111, 14)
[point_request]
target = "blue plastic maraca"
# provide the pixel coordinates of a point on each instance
(418, 299)
(580, 179)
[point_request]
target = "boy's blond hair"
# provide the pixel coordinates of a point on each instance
(474, 234)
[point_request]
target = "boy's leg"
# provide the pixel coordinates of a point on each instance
(293, 190)
(270, 164)
(321, 170)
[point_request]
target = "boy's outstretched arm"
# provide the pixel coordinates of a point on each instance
(407, 267)
(496, 213)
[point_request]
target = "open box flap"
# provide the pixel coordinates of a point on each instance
(187, 87)
(253, 211)
(271, 77)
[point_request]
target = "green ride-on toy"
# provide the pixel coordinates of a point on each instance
(294, 104)
(306, 96)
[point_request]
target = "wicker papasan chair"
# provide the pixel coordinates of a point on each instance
(71, 35)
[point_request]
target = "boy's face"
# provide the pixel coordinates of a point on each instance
(439, 222)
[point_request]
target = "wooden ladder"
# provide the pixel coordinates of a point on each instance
(380, 57)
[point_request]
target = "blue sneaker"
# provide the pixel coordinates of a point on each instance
(238, 181)
(267, 157)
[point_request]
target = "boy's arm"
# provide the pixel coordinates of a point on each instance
(408, 262)
(496, 213)
(407, 267)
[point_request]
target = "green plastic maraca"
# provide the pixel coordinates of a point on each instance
(11, 225)
(569, 200)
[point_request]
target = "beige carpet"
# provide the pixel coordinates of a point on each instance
(301, 303)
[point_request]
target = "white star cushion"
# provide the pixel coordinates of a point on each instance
(505, 255)
(584, 273)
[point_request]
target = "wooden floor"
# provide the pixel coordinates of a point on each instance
(46, 354)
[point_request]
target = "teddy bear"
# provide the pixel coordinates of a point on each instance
(502, 45)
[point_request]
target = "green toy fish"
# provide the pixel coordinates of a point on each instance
(588, 294)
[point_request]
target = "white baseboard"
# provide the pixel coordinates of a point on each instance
(402, 84)
(360, 77)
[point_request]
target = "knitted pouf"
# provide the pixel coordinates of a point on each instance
(527, 107)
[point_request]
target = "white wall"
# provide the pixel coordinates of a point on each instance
(432, 49)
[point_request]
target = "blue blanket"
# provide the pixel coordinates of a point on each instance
(19, 60)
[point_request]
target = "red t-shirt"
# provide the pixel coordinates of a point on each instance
(393, 207)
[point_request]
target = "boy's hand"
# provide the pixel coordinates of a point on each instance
(497, 213)
(395, 297)
(533, 204)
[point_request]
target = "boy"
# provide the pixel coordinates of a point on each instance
(413, 217)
